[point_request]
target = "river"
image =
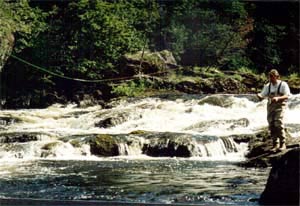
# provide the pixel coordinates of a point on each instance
(40, 161)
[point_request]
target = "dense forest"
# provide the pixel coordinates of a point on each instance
(87, 39)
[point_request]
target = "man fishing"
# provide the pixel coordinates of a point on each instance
(277, 92)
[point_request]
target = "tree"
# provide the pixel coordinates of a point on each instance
(206, 32)
(88, 37)
(19, 26)
(275, 36)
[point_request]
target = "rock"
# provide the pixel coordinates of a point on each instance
(137, 132)
(147, 62)
(166, 146)
(117, 119)
(7, 41)
(260, 145)
(7, 120)
(104, 145)
(17, 137)
(230, 124)
(251, 81)
(217, 100)
(51, 145)
(213, 85)
(283, 183)
(229, 85)
(189, 87)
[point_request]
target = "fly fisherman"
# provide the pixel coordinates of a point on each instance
(277, 92)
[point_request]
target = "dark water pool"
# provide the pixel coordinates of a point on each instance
(168, 181)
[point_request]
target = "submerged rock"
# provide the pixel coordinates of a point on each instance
(283, 183)
(229, 124)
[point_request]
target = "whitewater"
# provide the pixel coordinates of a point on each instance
(30, 168)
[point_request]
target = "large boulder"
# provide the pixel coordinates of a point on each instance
(104, 145)
(146, 62)
(283, 183)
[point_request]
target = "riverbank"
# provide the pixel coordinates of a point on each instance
(157, 74)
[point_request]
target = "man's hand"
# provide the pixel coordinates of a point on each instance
(259, 97)
(275, 99)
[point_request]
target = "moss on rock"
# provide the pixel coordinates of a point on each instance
(138, 132)
(50, 145)
(104, 145)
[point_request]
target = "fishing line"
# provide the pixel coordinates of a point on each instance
(81, 80)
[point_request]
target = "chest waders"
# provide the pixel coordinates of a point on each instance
(275, 116)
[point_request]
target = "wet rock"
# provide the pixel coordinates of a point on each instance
(260, 145)
(137, 132)
(217, 100)
(283, 183)
(243, 138)
(230, 124)
(17, 137)
(167, 149)
(104, 145)
(112, 121)
(51, 145)
(6, 120)
(169, 145)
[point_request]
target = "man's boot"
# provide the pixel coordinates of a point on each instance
(276, 145)
(282, 146)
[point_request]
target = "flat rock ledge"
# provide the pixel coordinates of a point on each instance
(260, 146)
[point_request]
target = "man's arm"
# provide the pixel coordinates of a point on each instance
(280, 98)
(263, 94)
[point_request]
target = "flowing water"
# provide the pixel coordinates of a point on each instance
(39, 159)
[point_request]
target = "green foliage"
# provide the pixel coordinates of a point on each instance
(20, 25)
(93, 35)
(275, 40)
(269, 48)
(206, 32)
(18, 19)
(130, 88)
(246, 70)
(294, 76)
(85, 39)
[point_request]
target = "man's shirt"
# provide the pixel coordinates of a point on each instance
(270, 89)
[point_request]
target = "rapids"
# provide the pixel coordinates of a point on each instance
(44, 153)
